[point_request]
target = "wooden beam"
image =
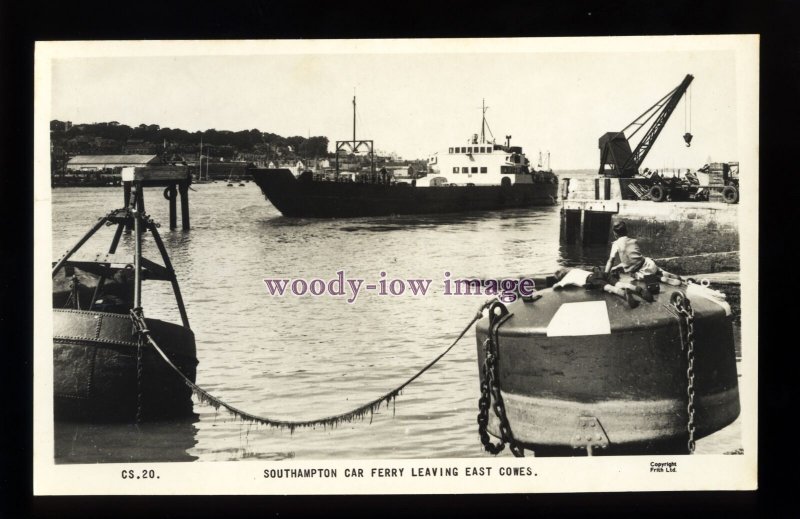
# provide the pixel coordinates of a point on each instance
(161, 175)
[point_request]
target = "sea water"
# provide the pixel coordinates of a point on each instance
(304, 357)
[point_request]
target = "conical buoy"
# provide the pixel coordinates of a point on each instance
(688, 138)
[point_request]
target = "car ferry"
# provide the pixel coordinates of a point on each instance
(478, 175)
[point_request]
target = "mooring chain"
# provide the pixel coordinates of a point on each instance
(141, 330)
(485, 401)
(204, 396)
(684, 308)
(490, 388)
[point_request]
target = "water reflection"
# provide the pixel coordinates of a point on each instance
(516, 217)
(119, 443)
(575, 255)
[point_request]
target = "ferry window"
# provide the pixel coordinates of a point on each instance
(483, 169)
(459, 150)
(469, 150)
(474, 169)
(455, 169)
(483, 149)
(465, 170)
(451, 150)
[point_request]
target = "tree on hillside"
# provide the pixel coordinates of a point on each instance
(105, 136)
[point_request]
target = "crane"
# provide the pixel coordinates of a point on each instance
(616, 157)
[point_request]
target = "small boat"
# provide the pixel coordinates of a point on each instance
(478, 174)
(104, 371)
(579, 371)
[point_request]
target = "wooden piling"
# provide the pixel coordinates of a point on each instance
(173, 215)
(126, 198)
(174, 180)
(184, 190)
(582, 230)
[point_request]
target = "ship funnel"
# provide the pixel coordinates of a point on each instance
(688, 138)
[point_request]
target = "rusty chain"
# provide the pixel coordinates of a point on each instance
(141, 330)
(684, 308)
(484, 402)
(140, 327)
(490, 388)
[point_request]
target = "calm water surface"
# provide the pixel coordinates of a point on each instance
(301, 358)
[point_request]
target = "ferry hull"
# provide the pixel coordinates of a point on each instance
(95, 368)
(315, 199)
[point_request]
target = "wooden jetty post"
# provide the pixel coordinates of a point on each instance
(173, 217)
(184, 191)
(174, 179)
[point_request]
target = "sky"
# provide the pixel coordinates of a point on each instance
(417, 103)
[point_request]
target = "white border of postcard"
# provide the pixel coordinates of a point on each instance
(579, 474)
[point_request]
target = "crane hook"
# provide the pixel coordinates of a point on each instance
(688, 138)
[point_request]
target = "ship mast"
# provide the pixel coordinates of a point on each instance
(355, 146)
(483, 121)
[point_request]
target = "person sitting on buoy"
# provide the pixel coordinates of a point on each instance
(597, 279)
(632, 261)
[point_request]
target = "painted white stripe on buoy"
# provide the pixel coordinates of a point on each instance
(586, 318)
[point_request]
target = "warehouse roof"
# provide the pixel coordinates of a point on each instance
(112, 159)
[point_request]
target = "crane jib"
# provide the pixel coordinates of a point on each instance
(615, 146)
(643, 148)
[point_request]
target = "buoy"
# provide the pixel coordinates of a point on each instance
(580, 369)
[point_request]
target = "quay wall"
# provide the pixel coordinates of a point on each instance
(663, 229)
(681, 228)
(700, 263)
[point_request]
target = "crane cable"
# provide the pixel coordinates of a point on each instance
(687, 112)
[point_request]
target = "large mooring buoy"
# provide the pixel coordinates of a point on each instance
(579, 370)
